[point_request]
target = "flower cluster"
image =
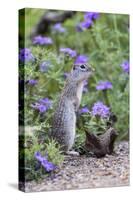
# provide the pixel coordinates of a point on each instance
(32, 82)
(101, 110)
(104, 85)
(91, 15)
(58, 28)
(88, 21)
(125, 66)
(86, 24)
(84, 110)
(81, 59)
(72, 53)
(42, 40)
(48, 166)
(44, 66)
(25, 55)
(42, 105)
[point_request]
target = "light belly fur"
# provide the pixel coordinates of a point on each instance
(79, 91)
(70, 128)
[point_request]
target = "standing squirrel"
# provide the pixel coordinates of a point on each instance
(64, 118)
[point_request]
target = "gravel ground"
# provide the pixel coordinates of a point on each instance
(88, 172)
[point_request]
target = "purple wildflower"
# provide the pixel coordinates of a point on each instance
(48, 166)
(99, 109)
(42, 105)
(125, 66)
(42, 108)
(91, 15)
(104, 85)
(86, 24)
(44, 66)
(32, 82)
(58, 28)
(39, 157)
(84, 110)
(81, 59)
(88, 21)
(25, 55)
(70, 52)
(96, 15)
(46, 101)
(42, 40)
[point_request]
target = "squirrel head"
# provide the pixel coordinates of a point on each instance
(81, 72)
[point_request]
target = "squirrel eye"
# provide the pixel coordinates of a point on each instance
(82, 67)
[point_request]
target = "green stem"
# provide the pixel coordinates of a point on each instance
(106, 97)
(116, 31)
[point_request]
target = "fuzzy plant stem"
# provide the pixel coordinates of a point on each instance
(116, 31)
(106, 97)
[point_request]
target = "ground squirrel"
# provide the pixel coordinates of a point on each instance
(64, 118)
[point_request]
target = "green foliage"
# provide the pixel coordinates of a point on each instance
(54, 153)
(27, 160)
(32, 144)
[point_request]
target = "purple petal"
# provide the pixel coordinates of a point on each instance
(104, 85)
(39, 157)
(125, 66)
(86, 24)
(58, 28)
(42, 40)
(48, 165)
(84, 110)
(81, 59)
(99, 109)
(25, 55)
(91, 15)
(44, 66)
(70, 52)
(32, 82)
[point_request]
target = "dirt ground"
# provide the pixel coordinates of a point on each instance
(88, 172)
